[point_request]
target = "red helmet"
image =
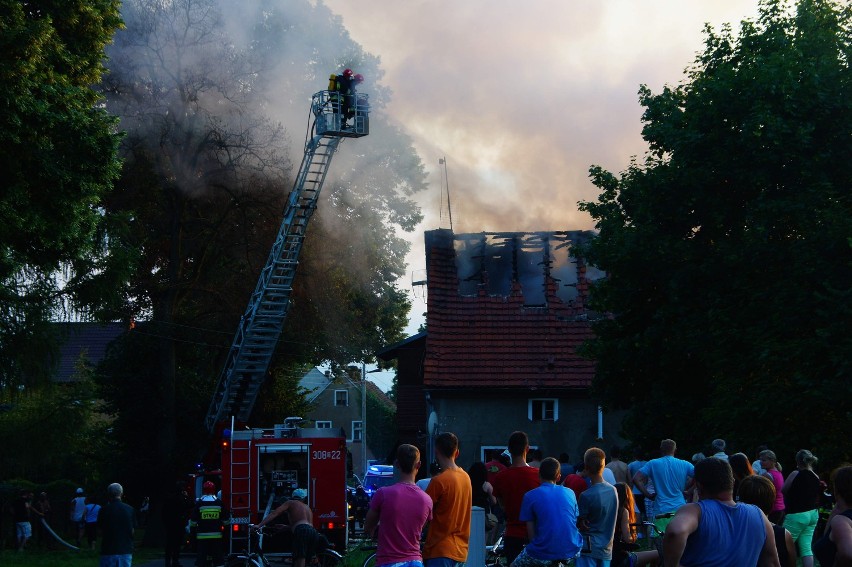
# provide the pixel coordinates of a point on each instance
(347, 72)
(359, 78)
(208, 487)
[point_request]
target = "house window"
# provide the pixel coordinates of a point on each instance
(341, 398)
(357, 430)
(323, 425)
(543, 409)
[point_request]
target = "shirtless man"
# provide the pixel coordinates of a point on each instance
(306, 539)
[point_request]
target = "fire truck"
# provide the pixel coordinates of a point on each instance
(260, 467)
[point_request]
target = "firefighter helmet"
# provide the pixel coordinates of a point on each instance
(347, 72)
(359, 78)
(208, 487)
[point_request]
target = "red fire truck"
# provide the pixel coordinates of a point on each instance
(262, 467)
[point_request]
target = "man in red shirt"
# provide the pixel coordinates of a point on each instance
(510, 486)
(577, 481)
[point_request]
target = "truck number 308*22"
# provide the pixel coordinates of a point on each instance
(322, 455)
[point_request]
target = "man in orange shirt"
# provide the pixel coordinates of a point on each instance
(510, 486)
(452, 498)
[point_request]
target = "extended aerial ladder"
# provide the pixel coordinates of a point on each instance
(260, 326)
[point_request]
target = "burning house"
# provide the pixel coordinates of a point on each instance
(506, 315)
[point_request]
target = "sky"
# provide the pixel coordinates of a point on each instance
(521, 98)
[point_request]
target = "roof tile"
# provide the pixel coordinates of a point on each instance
(492, 340)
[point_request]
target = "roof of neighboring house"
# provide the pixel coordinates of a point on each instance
(506, 310)
(315, 382)
(87, 339)
(383, 398)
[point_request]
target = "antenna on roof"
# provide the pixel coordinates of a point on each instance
(445, 183)
(418, 283)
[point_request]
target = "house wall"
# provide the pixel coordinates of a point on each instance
(341, 417)
(488, 422)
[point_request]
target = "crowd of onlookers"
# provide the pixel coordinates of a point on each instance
(717, 510)
(725, 509)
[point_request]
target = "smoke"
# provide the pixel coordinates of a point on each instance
(523, 97)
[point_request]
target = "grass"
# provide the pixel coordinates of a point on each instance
(64, 557)
(67, 557)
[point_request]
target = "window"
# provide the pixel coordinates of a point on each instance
(323, 425)
(543, 409)
(357, 430)
(341, 398)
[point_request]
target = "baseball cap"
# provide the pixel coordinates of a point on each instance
(300, 494)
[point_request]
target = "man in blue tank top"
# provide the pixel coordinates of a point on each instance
(716, 531)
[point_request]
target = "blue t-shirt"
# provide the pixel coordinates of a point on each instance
(554, 511)
(670, 476)
(92, 511)
(726, 536)
(599, 506)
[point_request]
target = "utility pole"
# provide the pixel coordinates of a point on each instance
(364, 414)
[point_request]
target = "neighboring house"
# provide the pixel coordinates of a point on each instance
(88, 341)
(506, 313)
(338, 404)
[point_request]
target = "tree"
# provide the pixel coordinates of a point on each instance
(207, 169)
(728, 250)
(57, 432)
(381, 426)
(59, 160)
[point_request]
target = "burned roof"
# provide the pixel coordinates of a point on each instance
(507, 310)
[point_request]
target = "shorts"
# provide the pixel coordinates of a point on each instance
(526, 560)
(587, 561)
(443, 562)
(24, 530)
(116, 560)
(307, 541)
(662, 523)
(402, 564)
(801, 526)
(91, 531)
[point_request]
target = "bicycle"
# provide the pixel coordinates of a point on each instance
(655, 550)
(370, 561)
(494, 554)
(254, 557)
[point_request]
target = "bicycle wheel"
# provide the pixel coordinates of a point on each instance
(370, 561)
(329, 558)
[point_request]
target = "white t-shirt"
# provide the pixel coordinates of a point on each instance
(79, 508)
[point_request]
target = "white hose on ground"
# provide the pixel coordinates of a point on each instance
(56, 537)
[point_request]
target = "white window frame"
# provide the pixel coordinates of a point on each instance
(324, 425)
(357, 428)
(532, 402)
(345, 398)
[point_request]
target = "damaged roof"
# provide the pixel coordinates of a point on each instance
(507, 310)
